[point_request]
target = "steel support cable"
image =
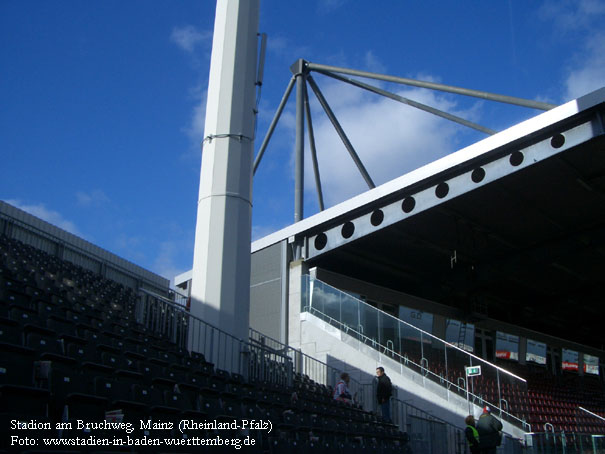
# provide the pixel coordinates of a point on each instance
(313, 152)
(273, 124)
(434, 86)
(341, 133)
(409, 102)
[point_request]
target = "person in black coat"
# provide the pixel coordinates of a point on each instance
(383, 393)
(489, 429)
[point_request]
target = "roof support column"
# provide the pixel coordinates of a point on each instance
(299, 145)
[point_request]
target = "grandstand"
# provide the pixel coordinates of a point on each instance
(474, 281)
(79, 348)
(85, 334)
(496, 249)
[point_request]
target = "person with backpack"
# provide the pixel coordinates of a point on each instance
(384, 389)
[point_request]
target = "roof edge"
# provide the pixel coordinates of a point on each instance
(473, 151)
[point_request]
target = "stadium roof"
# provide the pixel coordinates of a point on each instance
(515, 223)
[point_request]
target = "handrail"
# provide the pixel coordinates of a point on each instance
(424, 361)
(505, 401)
(463, 382)
(425, 371)
(165, 317)
(287, 350)
(591, 413)
(448, 344)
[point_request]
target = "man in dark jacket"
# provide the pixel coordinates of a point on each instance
(489, 429)
(383, 393)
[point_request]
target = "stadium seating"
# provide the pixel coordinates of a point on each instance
(71, 349)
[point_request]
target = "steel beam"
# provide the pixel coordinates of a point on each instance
(341, 133)
(409, 102)
(320, 198)
(434, 86)
(299, 150)
(273, 124)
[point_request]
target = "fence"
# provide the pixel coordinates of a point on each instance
(262, 358)
(172, 322)
(564, 443)
(316, 370)
(428, 434)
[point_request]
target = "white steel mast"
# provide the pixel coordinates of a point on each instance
(220, 290)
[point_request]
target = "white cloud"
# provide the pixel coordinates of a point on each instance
(192, 41)
(165, 261)
(373, 63)
(53, 217)
(188, 37)
(95, 197)
(327, 6)
(582, 22)
(391, 139)
(589, 73)
(568, 16)
(285, 50)
(195, 129)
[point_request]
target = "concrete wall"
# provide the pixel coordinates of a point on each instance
(330, 345)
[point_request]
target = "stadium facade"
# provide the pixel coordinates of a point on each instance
(496, 249)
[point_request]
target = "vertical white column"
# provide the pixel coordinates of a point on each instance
(220, 292)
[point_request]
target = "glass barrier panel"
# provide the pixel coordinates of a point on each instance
(330, 301)
(410, 342)
(349, 309)
(410, 346)
(316, 300)
(513, 396)
(434, 353)
(368, 321)
(455, 362)
(305, 299)
(388, 334)
(484, 387)
(598, 443)
(424, 353)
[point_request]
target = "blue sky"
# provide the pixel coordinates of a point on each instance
(102, 102)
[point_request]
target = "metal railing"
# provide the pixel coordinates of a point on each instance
(564, 443)
(428, 433)
(173, 323)
(263, 358)
(436, 360)
(316, 370)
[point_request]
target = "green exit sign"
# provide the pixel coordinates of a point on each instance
(473, 371)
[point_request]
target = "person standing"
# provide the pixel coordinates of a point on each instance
(489, 429)
(383, 393)
(472, 436)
